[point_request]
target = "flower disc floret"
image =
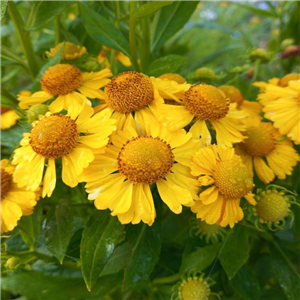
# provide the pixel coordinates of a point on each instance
(206, 102)
(260, 142)
(61, 79)
(129, 91)
(145, 159)
(233, 179)
(54, 136)
(195, 290)
(6, 182)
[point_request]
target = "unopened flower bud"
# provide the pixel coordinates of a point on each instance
(35, 111)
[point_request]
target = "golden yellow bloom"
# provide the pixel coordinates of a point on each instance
(59, 136)
(174, 77)
(15, 201)
(120, 179)
(71, 51)
(265, 142)
(121, 57)
(70, 87)
(229, 180)
(208, 106)
(8, 117)
(282, 106)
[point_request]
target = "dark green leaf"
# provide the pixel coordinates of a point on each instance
(30, 227)
(146, 244)
(257, 11)
(200, 259)
(99, 239)
(246, 284)
(166, 64)
(53, 61)
(286, 275)
(58, 229)
(150, 8)
(235, 251)
(171, 18)
(103, 31)
(44, 11)
(3, 9)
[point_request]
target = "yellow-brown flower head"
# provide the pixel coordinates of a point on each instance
(54, 136)
(129, 91)
(234, 94)
(5, 109)
(61, 79)
(260, 142)
(71, 51)
(284, 81)
(6, 182)
(145, 159)
(206, 102)
(233, 179)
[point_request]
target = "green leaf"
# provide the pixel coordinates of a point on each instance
(44, 11)
(150, 8)
(3, 8)
(166, 64)
(257, 11)
(103, 30)
(58, 229)
(30, 227)
(99, 238)
(206, 24)
(171, 18)
(52, 62)
(200, 259)
(246, 284)
(287, 277)
(146, 244)
(235, 251)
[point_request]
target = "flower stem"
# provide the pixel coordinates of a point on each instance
(132, 36)
(57, 31)
(24, 39)
(168, 279)
(145, 45)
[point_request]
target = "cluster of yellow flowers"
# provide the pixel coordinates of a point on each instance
(197, 144)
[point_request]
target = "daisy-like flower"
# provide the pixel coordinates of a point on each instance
(133, 92)
(264, 142)
(207, 105)
(59, 136)
(70, 88)
(15, 201)
(9, 117)
(71, 51)
(122, 177)
(228, 179)
(282, 106)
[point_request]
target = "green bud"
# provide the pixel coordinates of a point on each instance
(92, 65)
(260, 54)
(286, 43)
(204, 74)
(35, 111)
(12, 263)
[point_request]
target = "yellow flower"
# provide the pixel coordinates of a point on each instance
(15, 201)
(282, 106)
(59, 136)
(229, 180)
(174, 77)
(69, 86)
(71, 51)
(8, 117)
(121, 178)
(121, 57)
(264, 142)
(208, 105)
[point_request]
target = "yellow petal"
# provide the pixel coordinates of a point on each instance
(264, 173)
(49, 179)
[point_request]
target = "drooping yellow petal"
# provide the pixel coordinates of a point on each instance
(263, 172)
(10, 215)
(49, 179)
(232, 213)
(209, 196)
(200, 131)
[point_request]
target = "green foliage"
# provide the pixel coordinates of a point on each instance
(3, 8)
(149, 8)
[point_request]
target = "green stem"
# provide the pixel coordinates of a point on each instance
(29, 252)
(58, 36)
(145, 45)
(169, 279)
(24, 39)
(132, 36)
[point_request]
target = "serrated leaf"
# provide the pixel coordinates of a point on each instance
(44, 11)
(200, 259)
(52, 62)
(3, 8)
(288, 279)
(103, 30)
(171, 19)
(99, 238)
(146, 244)
(235, 251)
(150, 8)
(58, 229)
(166, 64)
(246, 284)
(30, 227)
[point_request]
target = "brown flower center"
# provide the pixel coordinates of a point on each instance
(5, 109)
(6, 182)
